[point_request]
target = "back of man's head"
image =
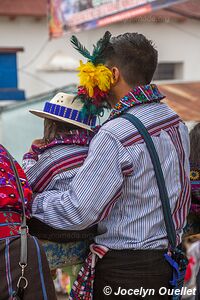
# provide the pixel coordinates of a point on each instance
(134, 55)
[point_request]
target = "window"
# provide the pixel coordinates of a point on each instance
(167, 71)
(8, 75)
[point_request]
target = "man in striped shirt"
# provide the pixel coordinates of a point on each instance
(116, 186)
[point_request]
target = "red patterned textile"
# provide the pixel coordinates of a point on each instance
(82, 288)
(10, 202)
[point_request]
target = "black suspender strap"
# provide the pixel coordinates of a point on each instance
(171, 232)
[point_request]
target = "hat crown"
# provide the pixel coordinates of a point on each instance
(62, 107)
(66, 100)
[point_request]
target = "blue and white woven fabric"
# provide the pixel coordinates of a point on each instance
(116, 186)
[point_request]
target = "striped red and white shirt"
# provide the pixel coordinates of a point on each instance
(116, 186)
(53, 166)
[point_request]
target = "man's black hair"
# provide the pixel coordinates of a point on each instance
(134, 55)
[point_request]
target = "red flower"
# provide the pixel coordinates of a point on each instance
(82, 91)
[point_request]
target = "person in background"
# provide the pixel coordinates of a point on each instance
(194, 217)
(192, 236)
(53, 161)
(40, 284)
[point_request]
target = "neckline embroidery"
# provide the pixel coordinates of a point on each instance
(139, 95)
(78, 137)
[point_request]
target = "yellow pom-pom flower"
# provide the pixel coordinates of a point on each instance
(92, 76)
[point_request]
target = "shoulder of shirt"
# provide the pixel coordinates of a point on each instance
(121, 128)
(65, 148)
(61, 151)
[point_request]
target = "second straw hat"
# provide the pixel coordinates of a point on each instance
(62, 107)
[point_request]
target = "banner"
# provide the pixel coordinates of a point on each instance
(78, 15)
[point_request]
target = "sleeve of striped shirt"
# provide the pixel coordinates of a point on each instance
(27, 164)
(29, 159)
(34, 168)
(92, 192)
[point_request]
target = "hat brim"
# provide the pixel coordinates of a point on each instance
(42, 114)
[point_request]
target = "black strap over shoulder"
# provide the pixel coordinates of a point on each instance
(171, 232)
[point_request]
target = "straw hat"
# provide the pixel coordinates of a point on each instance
(62, 108)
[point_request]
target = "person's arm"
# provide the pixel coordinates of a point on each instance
(31, 157)
(93, 191)
(35, 168)
(29, 160)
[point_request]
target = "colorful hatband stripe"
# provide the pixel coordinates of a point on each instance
(69, 113)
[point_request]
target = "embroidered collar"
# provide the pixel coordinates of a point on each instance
(81, 137)
(139, 95)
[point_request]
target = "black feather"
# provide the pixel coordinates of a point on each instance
(100, 47)
(81, 49)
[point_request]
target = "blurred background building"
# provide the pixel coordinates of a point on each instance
(36, 58)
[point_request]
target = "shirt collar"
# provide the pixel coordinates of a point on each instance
(139, 95)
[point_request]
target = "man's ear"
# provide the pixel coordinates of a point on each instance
(116, 74)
